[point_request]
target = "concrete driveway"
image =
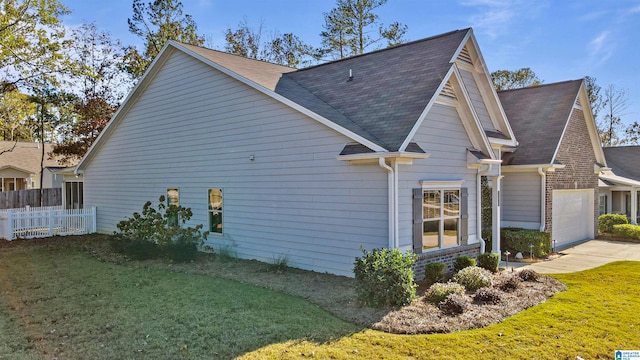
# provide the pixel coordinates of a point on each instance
(585, 256)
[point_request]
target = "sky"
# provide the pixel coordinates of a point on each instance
(558, 39)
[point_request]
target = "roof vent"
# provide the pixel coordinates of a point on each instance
(465, 56)
(448, 91)
(578, 103)
(350, 75)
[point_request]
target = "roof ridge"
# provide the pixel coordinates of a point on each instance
(620, 146)
(235, 55)
(385, 49)
(540, 85)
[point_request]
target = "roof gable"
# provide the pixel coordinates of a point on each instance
(538, 116)
(384, 92)
(26, 156)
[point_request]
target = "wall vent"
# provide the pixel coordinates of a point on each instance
(448, 91)
(465, 56)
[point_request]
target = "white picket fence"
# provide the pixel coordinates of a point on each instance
(29, 223)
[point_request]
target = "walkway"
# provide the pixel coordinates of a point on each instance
(585, 256)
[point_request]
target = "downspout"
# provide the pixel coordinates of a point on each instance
(479, 206)
(396, 225)
(543, 198)
(391, 183)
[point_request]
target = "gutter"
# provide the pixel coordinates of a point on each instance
(479, 206)
(392, 181)
(543, 198)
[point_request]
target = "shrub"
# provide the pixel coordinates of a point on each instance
(279, 264)
(163, 227)
(434, 272)
(439, 291)
(606, 222)
(487, 295)
(489, 261)
(463, 262)
(628, 231)
(510, 283)
(518, 240)
(453, 304)
(473, 278)
(385, 277)
(528, 275)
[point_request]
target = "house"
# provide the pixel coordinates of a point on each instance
(20, 166)
(620, 183)
(385, 149)
(551, 179)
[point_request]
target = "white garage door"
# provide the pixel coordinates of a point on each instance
(572, 216)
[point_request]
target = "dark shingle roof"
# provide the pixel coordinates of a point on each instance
(538, 116)
(624, 161)
(387, 94)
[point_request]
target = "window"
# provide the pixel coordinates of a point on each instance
(440, 215)
(602, 205)
(173, 201)
(441, 218)
(73, 194)
(215, 211)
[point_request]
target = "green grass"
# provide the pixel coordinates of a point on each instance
(63, 303)
(597, 315)
(58, 302)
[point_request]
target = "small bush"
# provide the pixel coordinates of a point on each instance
(489, 261)
(628, 231)
(454, 304)
(439, 291)
(528, 275)
(518, 240)
(606, 222)
(434, 272)
(487, 295)
(510, 284)
(463, 262)
(473, 278)
(181, 251)
(385, 277)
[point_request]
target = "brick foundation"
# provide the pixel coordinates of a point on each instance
(446, 256)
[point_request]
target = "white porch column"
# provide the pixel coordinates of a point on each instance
(634, 206)
(496, 185)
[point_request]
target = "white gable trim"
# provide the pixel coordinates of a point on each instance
(591, 126)
(426, 110)
(164, 54)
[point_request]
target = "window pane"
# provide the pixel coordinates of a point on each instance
(451, 203)
(215, 211)
(173, 197)
(431, 204)
(450, 237)
(430, 235)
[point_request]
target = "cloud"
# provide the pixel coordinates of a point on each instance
(495, 16)
(601, 48)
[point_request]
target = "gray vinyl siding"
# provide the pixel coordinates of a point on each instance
(443, 136)
(195, 128)
(521, 197)
(476, 100)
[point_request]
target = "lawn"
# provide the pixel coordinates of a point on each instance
(64, 302)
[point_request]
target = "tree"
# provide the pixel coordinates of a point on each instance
(101, 85)
(347, 28)
(615, 103)
(15, 112)
(156, 23)
(593, 93)
(287, 49)
(507, 79)
(32, 39)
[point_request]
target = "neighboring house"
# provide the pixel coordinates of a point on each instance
(20, 167)
(551, 179)
(619, 185)
(385, 149)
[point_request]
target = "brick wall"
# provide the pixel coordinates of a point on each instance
(446, 256)
(576, 153)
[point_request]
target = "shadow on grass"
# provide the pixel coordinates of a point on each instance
(72, 305)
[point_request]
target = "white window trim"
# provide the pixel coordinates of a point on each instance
(430, 185)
